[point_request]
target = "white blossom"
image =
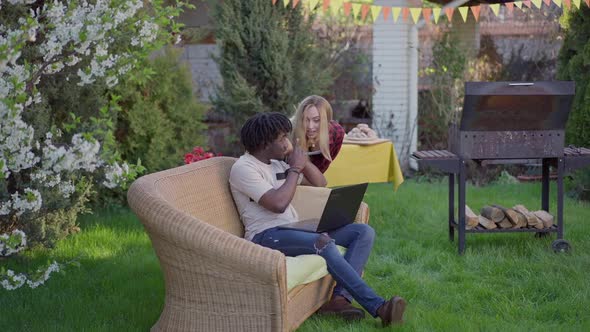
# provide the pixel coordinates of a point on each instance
(115, 174)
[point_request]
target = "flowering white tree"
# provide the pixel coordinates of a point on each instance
(76, 34)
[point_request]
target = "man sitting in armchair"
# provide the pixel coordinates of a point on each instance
(263, 186)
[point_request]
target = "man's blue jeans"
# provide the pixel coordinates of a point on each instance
(346, 270)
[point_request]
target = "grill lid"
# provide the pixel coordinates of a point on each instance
(516, 106)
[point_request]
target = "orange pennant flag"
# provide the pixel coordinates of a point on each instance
(325, 6)
(588, 3)
(364, 11)
(386, 11)
(295, 3)
(567, 3)
(426, 13)
(527, 3)
(274, 2)
(548, 2)
(475, 10)
(405, 13)
(347, 8)
(509, 7)
(449, 12)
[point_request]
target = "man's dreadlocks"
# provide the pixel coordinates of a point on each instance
(263, 128)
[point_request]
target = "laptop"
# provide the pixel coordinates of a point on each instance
(340, 209)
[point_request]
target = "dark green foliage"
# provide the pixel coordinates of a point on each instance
(159, 118)
(269, 59)
(574, 64)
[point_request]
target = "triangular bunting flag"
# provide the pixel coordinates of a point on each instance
(449, 13)
(356, 9)
(559, 3)
(295, 3)
(386, 11)
(375, 12)
(537, 3)
(547, 2)
(415, 14)
(285, 3)
(436, 13)
(405, 14)
(510, 7)
(567, 3)
(426, 14)
(274, 2)
(518, 4)
(325, 5)
(495, 8)
(313, 4)
(475, 10)
(464, 13)
(395, 11)
(347, 8)
(364, 11)
(577, 3)
(588, 3)
(335, 6)
(527, 3)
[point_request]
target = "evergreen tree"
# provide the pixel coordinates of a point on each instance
(269, 60)
(574, 64)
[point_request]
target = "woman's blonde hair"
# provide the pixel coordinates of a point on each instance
(325, 110)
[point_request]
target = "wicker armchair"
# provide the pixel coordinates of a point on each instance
(214, 279)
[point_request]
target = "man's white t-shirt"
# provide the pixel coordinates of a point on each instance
(249, 179)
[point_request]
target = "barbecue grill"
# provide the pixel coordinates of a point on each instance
(510, 123)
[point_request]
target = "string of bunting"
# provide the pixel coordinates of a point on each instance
(363, 10)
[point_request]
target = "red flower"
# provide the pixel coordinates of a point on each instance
(198, 154)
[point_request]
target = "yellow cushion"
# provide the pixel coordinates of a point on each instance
(304, 269)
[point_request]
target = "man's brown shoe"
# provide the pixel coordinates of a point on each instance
(392, 311)
(339, 306)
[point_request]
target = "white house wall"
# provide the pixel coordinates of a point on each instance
(395, 73)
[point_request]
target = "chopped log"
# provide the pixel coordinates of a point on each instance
(471, 219)
(545, 217)
(513, 216)
(505, 223)
(487, 223)
(522, 219)
(531, 219)
(492, 213)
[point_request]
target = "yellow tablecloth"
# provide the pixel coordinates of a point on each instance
(365, 163)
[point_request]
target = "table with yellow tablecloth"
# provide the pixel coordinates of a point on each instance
(365, 163)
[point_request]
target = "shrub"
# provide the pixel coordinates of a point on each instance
(160, 118)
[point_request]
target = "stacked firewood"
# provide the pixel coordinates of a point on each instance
(496, 216)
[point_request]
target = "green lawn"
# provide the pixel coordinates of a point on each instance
(503, 282)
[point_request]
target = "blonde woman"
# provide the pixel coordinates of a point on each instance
(316, 131)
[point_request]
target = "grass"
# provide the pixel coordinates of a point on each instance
(503, 282)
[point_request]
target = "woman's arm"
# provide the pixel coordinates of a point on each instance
(312, 176)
